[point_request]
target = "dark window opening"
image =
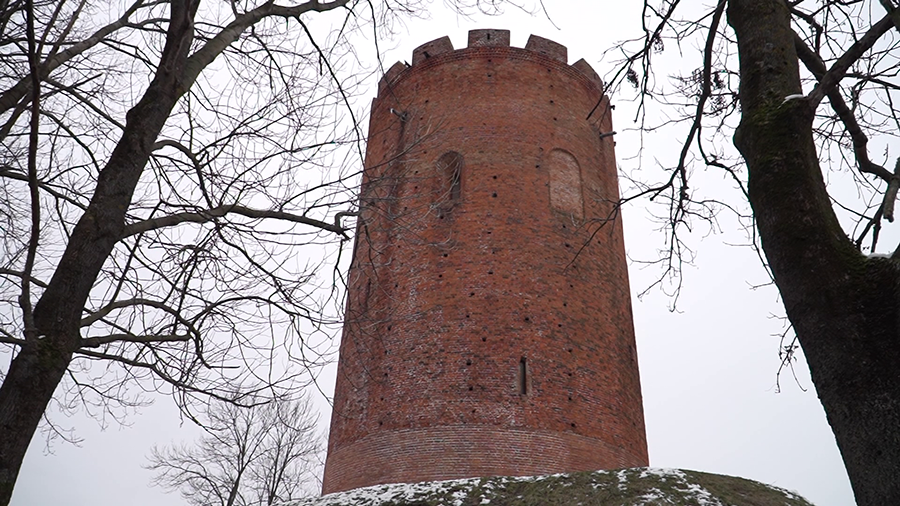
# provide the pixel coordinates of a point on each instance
(523, 376)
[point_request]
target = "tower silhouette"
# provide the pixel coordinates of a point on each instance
(488, 325)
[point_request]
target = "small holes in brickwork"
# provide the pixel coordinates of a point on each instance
(495, 177)
(444, 255)
(527, 319)
(469, 362)
(570, 398)
(494, 195)
(471, 294)
(490, 272)
(390, 327)
(440, 275)
(471, 388)
(484, 339)
(573, 425)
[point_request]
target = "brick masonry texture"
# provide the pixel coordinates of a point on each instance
(488, 326)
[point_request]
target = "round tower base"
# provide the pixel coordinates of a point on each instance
(465, 451)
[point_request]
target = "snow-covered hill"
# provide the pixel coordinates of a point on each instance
(627, 487)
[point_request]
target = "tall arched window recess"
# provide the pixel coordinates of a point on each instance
(449, 167)
(565, 183)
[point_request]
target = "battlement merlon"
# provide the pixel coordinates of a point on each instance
(488, 38)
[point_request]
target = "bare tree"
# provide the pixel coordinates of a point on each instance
(169, 172)
(263, 455)
(763, 74)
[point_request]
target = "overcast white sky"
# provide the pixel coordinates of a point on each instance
(708, 370)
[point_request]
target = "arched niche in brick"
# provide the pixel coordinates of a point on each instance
(449, 168)
(565, 183)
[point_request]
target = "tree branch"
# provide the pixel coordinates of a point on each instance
(890, 194)
(7, 171)
(33, 182)
(7, 338)
(833, 77)
(96, 342)
(816, 66)
(121, 304)
(13, 95)
(9, 272)
(155, 370)
(206, 54)
(221, 211)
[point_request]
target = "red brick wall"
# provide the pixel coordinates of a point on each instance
(450, 289)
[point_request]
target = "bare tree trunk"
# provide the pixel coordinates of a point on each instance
(24, 395)
(40, 364)
(843, 306)
(235, 487)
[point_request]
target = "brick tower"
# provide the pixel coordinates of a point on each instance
(488, 325)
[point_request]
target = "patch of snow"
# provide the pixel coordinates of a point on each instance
(651, 498)
(622, 476)
(393, 492)
(458, 497)
(662, 473)
(796, 96)
(701, 495)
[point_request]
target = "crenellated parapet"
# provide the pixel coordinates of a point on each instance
(489, 43)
